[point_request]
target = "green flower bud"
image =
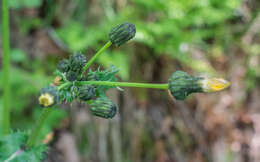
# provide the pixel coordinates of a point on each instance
(103, 107)
(87, 92)
(77, 62)
(181, 85)
(63, 66)
(71, 76)
(122, 33)
(48, 96)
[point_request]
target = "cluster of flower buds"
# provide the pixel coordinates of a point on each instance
(71, 71)
(73, 67)
(181, 85)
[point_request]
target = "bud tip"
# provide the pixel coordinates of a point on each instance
(214, 84)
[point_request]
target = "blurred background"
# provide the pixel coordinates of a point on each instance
(202, 37)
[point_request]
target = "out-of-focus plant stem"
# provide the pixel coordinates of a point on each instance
(5, 112)
(37, 129)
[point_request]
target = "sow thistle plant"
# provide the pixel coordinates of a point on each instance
(75, 81)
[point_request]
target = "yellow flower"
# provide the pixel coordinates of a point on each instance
(46, 99)
(214, 84)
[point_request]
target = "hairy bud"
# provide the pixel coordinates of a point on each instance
(63, 66)
(103, 107)
(122, 33)
(71, 76)
(77, 61)
(87, 92)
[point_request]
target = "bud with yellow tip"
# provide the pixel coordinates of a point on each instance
(181, 85)
(48, 96)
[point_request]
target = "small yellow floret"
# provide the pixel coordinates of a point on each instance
(214, 84)
(46, 99)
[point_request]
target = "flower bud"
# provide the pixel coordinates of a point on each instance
(181, 85)
(77, 62)
(103, 107)
(122, 33)
(71, 76)
(63, 66)
(48, 96)
(87, 92)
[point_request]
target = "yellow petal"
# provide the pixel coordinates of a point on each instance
(46, 99)
(214, 84)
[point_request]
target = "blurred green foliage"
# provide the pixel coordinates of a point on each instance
(17, 4)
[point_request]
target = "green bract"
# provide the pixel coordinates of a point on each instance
(63, 66)
(87, 92)
(48, 96)
(181, 85)
(103, 107)
(122, 33)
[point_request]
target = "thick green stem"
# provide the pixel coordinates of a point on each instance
(5, 115)
(124, 84)
(108, 44)
(37, 129)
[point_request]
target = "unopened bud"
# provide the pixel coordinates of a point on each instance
(122, 33)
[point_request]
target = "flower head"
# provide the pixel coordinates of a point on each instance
(48, 96)
(182, 85)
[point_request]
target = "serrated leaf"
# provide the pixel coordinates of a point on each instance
(12, 143)
(106, 75)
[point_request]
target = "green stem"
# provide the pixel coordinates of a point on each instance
(108, 44)
(64, 85)
(37, 129)
(5, 115)
(124, 84)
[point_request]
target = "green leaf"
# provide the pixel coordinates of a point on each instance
(12, 143)
(106, 75)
